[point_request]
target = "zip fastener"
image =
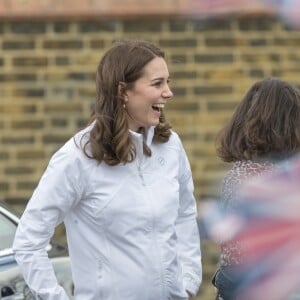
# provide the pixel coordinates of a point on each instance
(156, 243)
(140, 171)
(158, 263)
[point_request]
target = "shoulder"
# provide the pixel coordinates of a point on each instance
(71, 153)
(249, 168)
(241, 172)
(245, 169)
(174, 139)
(174, 145)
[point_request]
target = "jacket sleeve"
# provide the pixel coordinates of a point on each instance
(187, 229)
(59, 189)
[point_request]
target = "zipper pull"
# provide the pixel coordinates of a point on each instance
(141, 175)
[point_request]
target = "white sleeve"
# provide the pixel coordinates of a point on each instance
(59, 189)
(187, 229)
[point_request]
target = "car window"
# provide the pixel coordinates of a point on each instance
(7, 232)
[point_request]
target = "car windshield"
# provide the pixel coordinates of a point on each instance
(7, 232)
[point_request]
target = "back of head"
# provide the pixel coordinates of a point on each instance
(265, 123)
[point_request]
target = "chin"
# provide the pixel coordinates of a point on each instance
(155, 123)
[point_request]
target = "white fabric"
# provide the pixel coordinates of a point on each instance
(131, 229)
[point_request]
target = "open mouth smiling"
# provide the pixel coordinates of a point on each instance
(158, 106)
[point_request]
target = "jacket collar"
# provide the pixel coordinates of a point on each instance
(138, 138)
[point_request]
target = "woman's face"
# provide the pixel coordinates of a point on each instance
(149, 95)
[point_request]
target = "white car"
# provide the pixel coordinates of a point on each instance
(12, 284)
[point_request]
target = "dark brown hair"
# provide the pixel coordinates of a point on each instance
(109, 139)
(266, 122)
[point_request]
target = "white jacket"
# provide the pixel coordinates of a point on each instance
(131, 229)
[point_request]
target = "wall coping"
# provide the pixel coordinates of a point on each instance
(93, 9)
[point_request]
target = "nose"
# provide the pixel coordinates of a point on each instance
(167, 93)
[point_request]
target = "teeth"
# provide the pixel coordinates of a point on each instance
(159, 105)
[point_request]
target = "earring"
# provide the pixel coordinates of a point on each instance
(125, 101)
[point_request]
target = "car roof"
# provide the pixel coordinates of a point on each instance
(9, 208)
(9, 212)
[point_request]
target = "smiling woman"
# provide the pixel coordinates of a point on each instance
(123, 187)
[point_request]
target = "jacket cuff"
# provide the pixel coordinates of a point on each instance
(55, 293)
(191, 284)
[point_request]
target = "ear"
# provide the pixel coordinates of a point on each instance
(122, 89)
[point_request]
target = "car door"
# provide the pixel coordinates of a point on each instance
(8, 226)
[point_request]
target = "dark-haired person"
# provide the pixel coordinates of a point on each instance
(263, 131)
(123, 187)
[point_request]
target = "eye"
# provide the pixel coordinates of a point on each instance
(157, 83)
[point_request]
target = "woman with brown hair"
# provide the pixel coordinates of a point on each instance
(123, 187)
(263, 130)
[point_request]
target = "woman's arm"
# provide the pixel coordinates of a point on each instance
(187, 229)
(58, 190)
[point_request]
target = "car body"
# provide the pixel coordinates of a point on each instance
(12, 284)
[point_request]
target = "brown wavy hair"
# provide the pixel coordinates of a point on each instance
(109, 140)
(265, 123)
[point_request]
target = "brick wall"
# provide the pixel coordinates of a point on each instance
(47, 86)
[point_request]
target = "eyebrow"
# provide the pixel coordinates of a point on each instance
(160, 78)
